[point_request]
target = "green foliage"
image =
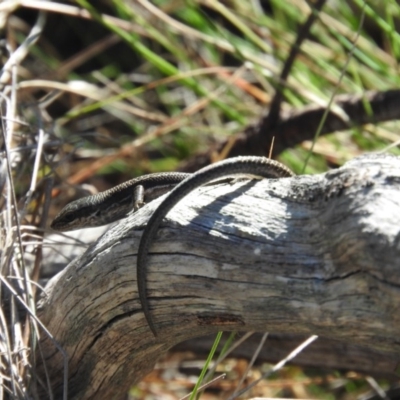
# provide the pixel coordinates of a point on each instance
(184, 54)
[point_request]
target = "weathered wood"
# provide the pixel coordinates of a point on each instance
(306, 255)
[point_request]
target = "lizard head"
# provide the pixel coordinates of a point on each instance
(76, 215)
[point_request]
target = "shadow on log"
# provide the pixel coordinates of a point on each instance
(322, 353)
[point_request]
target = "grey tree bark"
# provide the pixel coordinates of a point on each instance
(306, 255)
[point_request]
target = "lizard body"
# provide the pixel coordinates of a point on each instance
(117, 202)
(113, 204)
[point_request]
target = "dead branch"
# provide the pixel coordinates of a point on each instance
(305, 255)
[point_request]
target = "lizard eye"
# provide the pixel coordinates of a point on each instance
(68, 217)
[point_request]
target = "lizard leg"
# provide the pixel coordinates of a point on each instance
(138, 197)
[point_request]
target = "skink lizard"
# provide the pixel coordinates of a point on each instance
(257, 167)
(116, 203)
